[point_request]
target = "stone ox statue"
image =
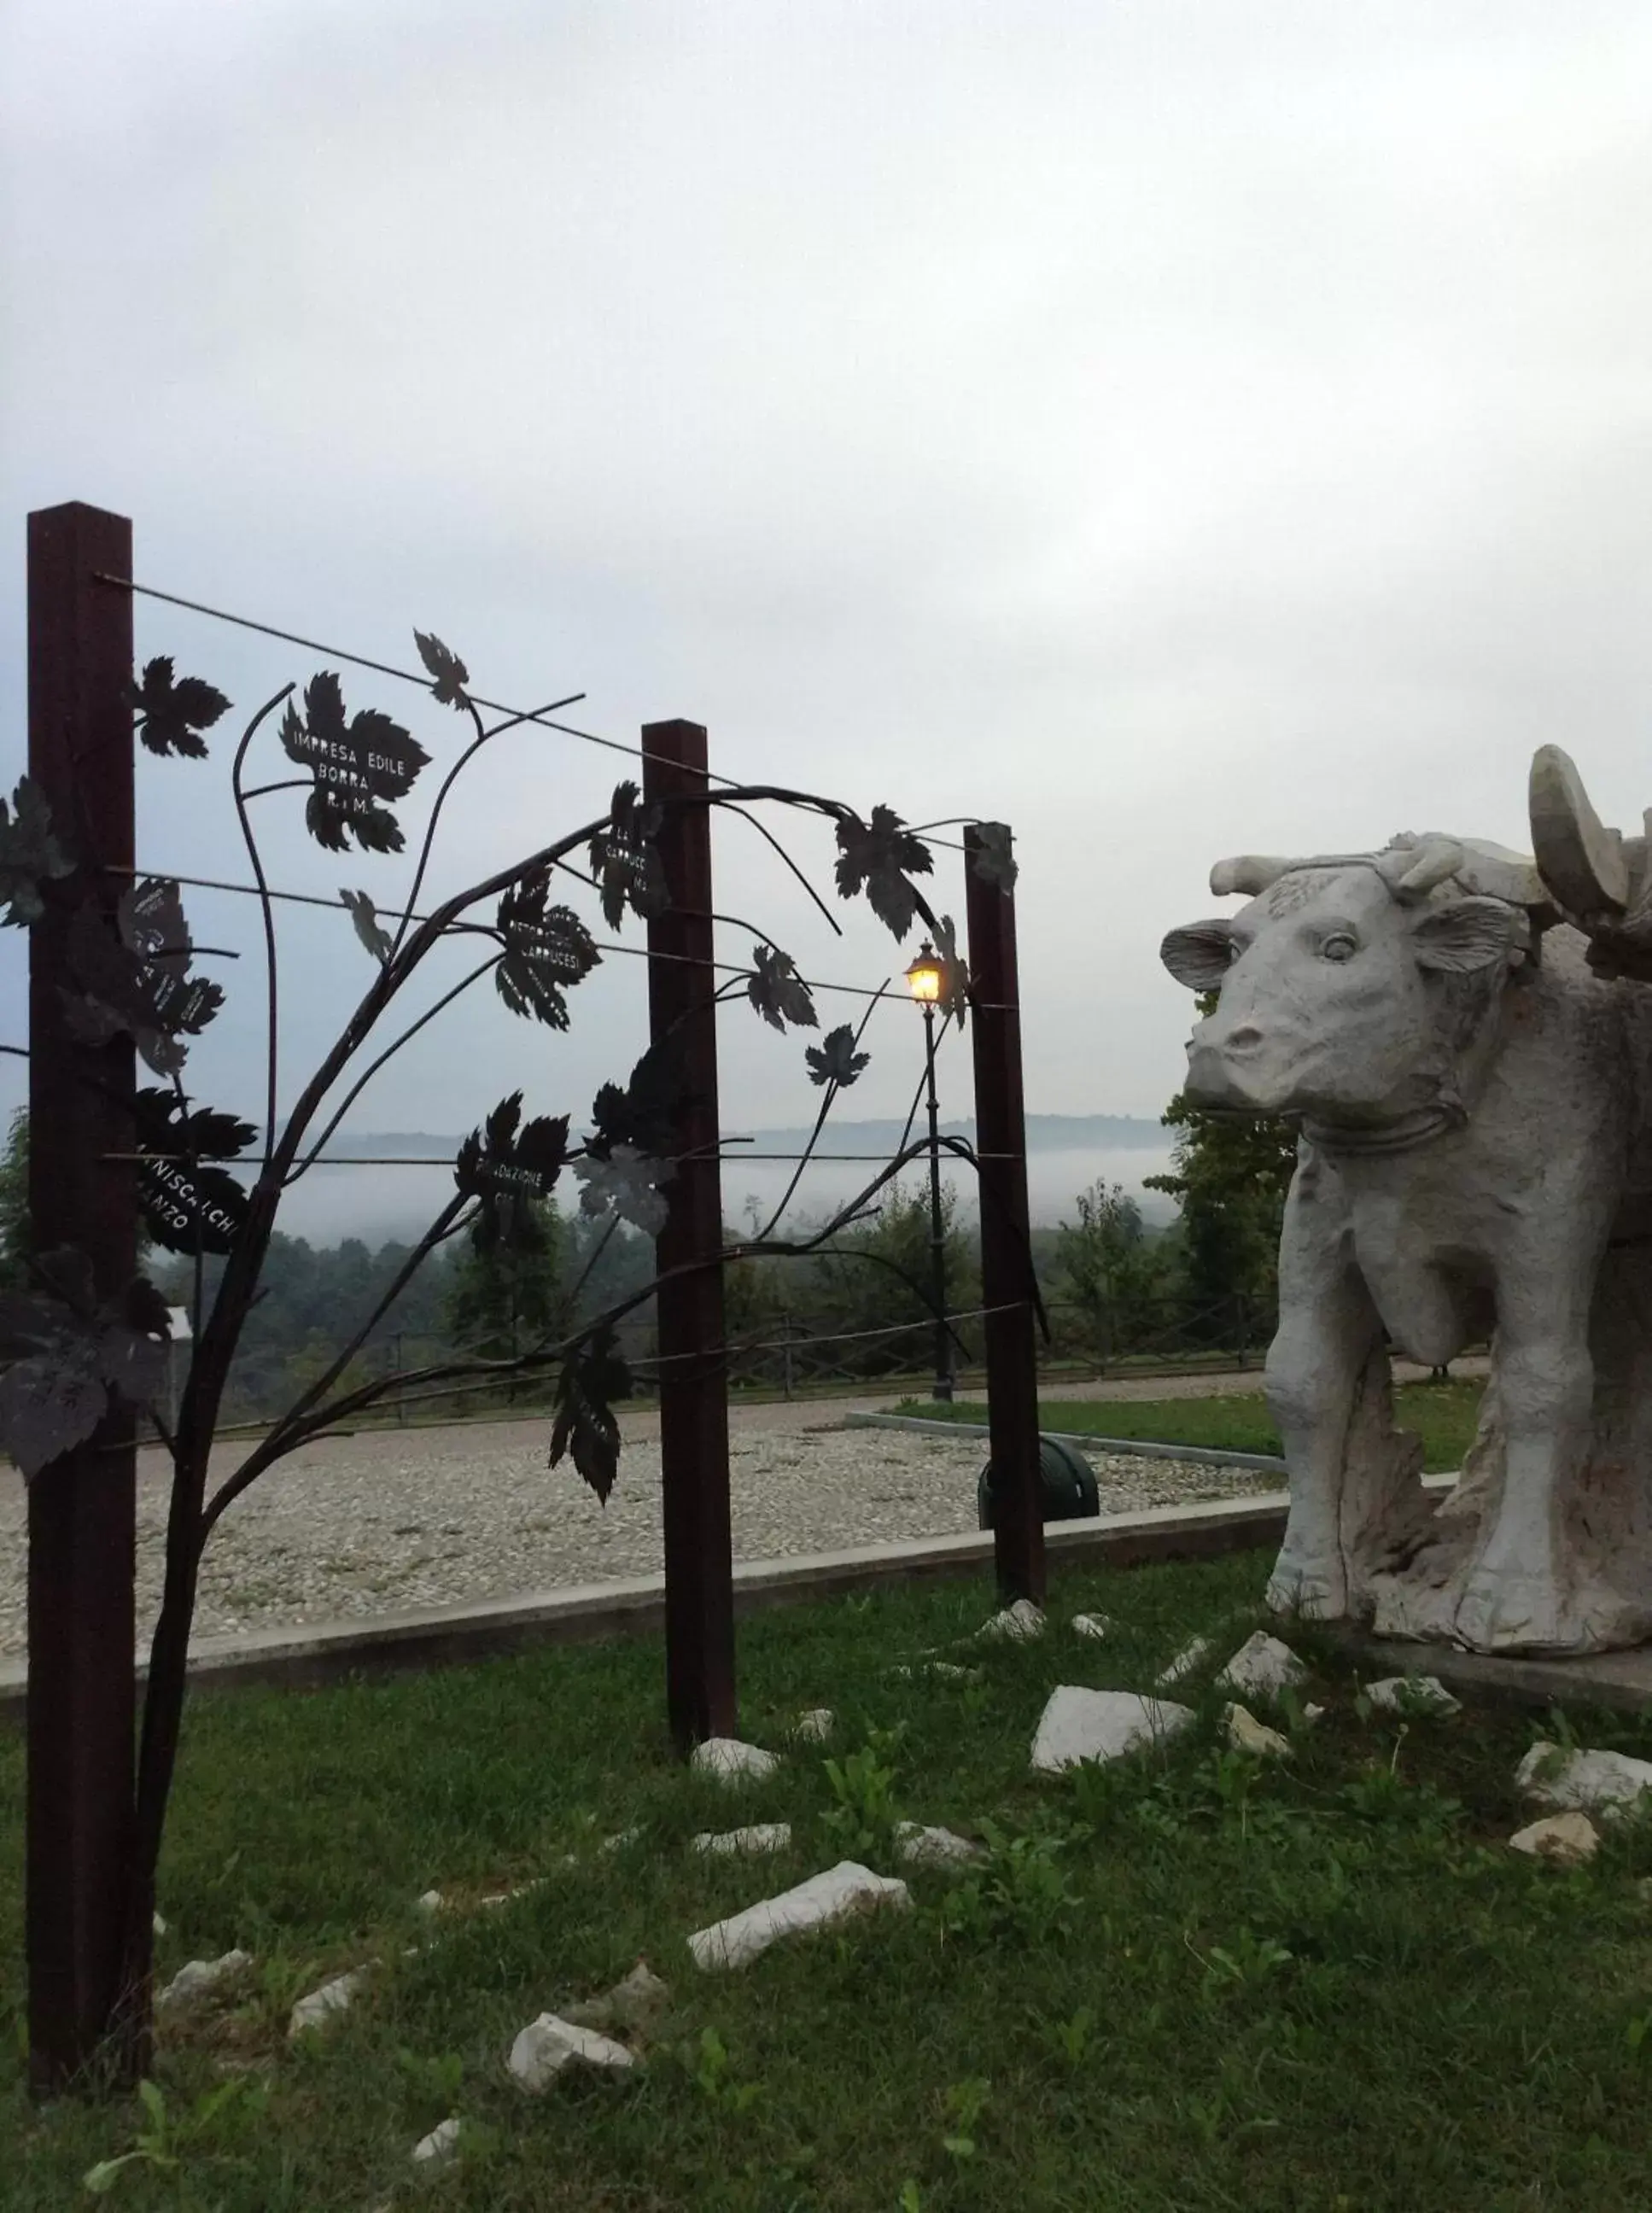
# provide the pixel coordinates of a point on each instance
(1457, 1030)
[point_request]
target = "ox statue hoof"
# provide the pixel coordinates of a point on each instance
(1312, 1589)
(1506, 1611)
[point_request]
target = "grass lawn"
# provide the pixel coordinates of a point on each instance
(1442, 1414)
(1184, 1981)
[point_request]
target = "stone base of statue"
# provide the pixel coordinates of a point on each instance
(1412, 1556)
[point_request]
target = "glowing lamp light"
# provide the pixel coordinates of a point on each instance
(926, 977)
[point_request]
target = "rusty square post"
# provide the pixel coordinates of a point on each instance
(82, 1508)
(693, 1371)
(1012, 1382)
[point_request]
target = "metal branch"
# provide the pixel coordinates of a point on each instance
(265, 909)
(447, 1224)
(475, 747)
(832, 1089)
(763, 831)
(390, 1051)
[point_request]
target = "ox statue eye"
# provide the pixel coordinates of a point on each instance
(1339, 946)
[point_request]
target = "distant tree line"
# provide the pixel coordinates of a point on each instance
(1115, 1286)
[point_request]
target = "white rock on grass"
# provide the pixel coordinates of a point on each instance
(634, 2003)
(815, 1726)
(1567, 1840)
(430, 1903)
(335, 1997)
(1019, 1624)
(920, 1847)
(1425, 1695)
(760, 1837)
(158, 1923)
(439, 2147)
(1262, 1667)
(1246, 1733)
(1187, 1662)
(548, 2045)
(731, 1761)
(1094, 1625)
(1077, 1725)
(1593, 1782)
(622, 1843)
(198, 1979)
(821, 1903)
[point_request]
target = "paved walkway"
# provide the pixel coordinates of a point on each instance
(390, 1518)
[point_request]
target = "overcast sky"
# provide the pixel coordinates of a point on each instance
(1172, 429)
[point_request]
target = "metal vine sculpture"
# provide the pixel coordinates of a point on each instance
(65, 1354)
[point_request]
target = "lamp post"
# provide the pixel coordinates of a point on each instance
(926, 980)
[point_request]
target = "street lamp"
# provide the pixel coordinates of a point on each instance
(926, 979)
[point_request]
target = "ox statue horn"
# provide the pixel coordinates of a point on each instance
(1579, 859)
(1249, 873)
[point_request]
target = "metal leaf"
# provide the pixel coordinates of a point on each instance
(171, 714)
(365, 916)
(954, 971)
(547, 950)
(625, 860)
(133, 1363)
(49, 1405)
(593, 1376)
(355, 763)
(882, 855)
(150, 918)
(627, 1183)
(993, 861)
(30, 854)
(188, 1204)
(66, 1358)
(166, 1125)
(507, 1166)
(835, 1060)
(69, 1273)
(137, 976)
(448, 671)
(777, 992)
(646, 1114)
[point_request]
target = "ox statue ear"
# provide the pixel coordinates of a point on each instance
(1467, 934)
(1200, 954)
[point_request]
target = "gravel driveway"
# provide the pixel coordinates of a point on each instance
(391, 1519)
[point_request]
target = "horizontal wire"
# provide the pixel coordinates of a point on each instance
(826, 1336)
(541, 715)
(602, 944)
(361, 661)
(447, 1160)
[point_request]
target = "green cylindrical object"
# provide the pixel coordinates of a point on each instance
(1069, 1492)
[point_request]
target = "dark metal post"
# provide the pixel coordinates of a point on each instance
(937, 1225)
(693, 1370)
(1012, 1382)
(82, 1508)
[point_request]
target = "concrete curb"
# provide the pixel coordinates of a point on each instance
(432, 1636)
(1619, 1680)
(1202, 1455)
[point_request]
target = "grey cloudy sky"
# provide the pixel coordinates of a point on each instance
(1173, 429)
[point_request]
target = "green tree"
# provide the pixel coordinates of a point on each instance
(1230, 1174)
(876, 1275)
(15, 1225)
(503, 1300)
(1107, 1270)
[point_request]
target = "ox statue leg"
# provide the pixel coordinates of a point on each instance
(1328, 1325)
(1513, 1600)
